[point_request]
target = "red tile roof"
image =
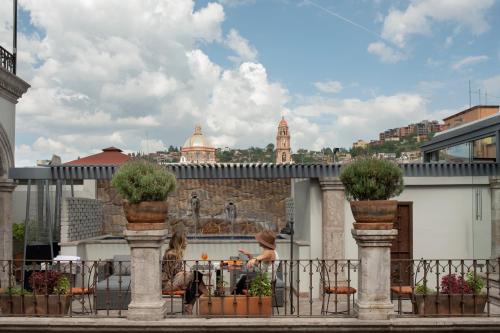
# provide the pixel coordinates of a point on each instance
(109, 156)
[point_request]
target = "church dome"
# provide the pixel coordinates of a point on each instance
(196, 140)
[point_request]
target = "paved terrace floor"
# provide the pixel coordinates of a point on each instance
(76, 325)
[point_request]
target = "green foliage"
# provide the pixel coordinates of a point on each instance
(18, 232)
(475, 283)
(62, 286)
(372, 179)
(422, 289)
(140, 180)
(17, 291)
(260, 286)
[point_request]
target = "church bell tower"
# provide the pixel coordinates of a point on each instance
(283, 150)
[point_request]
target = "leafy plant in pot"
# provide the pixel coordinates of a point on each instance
(144, 186)
(50, 295)
(369, 184)
(257, 302)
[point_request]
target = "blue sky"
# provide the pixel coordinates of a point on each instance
(300, 44)
(141, 74)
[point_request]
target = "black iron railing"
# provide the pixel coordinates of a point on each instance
(102, 288)
(446, 287)
(7, 60)
(65, 288)
(229, 288)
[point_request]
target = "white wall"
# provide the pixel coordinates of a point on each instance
(8, 119)
(308, 214)
(444, 223)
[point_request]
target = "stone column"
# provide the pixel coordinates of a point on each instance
(145, 250)
(333, 201)
(374, 276)
(6, 189)
(495, 216)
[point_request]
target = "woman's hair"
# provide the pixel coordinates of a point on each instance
(178, 243)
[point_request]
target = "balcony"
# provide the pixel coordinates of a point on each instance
(7, 61)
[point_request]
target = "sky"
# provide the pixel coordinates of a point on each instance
(141, 74)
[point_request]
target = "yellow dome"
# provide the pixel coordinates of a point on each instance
(196, 140)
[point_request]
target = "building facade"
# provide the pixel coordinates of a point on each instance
(472, 114)
(11, 90)
(283, 149)
(197, 149)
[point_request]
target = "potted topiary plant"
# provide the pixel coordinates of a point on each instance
(369, 184)
(50, 295)
(144, 186)
(257, 302)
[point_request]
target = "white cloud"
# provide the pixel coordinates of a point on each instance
(342, 121)
(152, 145)
(329, 86)
(418, 17)
(469, 61)
(240, 45)
(386, 53)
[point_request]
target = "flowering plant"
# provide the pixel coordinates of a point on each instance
(50, 282)
(451, 284)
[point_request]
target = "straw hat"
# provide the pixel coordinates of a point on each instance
(266, 238)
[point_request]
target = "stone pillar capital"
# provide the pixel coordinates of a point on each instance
(7, 186)
(145, 238)
(331, 184)
(374, 238)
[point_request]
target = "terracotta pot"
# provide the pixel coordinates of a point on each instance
(239, 305)
(374, 211)
(51, 305)
(146, 212)
(450, 304)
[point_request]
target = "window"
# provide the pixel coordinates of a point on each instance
(283, 157)
(484, 149)
(456, 154)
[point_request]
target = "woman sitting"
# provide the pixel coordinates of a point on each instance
(266, 261)
(176, 277)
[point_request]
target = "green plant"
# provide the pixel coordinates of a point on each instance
(18, 232)
(260, 286)
(422, 289)
(476, 283)
(62, 286)
(140, 180)
(372, 179)
(17, 291)
(49, 282)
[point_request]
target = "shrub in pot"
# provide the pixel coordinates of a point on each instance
(369, 184)
(257, 302)
(144, 186)
(50, 295)
(457, 296)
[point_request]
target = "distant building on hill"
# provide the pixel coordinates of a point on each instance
(360, 144)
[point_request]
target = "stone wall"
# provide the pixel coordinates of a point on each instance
(81, 218)
(259, 204)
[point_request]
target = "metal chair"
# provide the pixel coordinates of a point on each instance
(328, 289)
